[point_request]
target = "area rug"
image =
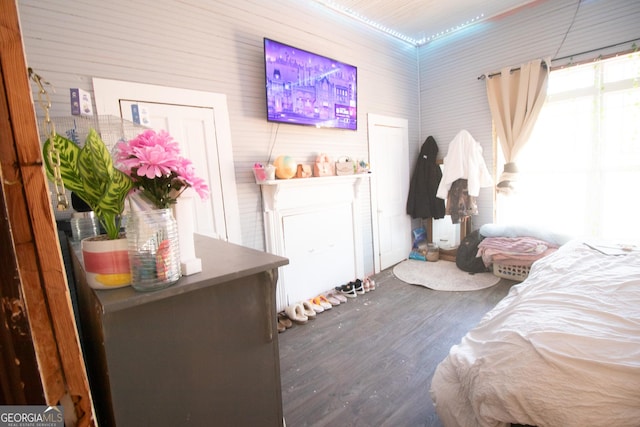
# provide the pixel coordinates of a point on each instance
(442, 276)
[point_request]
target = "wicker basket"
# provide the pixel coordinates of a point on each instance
(511, 272)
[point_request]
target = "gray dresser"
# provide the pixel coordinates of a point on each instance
(203, 352)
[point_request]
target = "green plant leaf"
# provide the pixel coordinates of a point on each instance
(112, 201)
(95, 166)
(89, 172)
(68, 152)
(106, 186)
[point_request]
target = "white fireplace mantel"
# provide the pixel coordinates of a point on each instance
(315, 222)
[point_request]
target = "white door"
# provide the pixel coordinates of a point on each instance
(190, 126)
(199, 121)
(389, 157)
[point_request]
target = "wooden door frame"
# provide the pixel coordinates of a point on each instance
(41, 293)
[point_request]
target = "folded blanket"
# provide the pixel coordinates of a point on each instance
(514, 250)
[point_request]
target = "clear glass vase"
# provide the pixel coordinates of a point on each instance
(154, 249)
(83, 225)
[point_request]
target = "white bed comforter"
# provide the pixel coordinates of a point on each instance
(561, 349)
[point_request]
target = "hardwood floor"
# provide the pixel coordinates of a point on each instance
(369, 362)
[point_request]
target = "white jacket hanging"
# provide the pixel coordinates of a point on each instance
(464, 161)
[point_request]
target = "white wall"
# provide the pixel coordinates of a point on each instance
(451, 96)
(216, 46)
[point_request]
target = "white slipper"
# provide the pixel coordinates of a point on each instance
(296, 313)
(308, 309)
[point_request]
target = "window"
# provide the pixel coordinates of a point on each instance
(580, 171)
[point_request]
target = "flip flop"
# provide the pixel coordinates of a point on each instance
(323, 302)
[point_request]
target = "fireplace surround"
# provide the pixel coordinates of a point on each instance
(316, 223)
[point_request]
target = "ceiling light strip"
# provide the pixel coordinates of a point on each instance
(450, 30)
(369, 22)
(378, 26)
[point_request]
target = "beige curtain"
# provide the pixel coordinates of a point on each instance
(515, 99)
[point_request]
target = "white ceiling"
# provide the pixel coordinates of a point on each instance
(418, 21)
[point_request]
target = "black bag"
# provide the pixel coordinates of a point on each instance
(466, 258)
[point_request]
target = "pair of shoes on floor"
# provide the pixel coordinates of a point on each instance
(322, 302)
(284, 322)
(351, 289)
(335, 298)
(300, 312)
(369, 284)
(315, 306)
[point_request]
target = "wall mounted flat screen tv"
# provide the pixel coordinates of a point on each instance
(304, 88)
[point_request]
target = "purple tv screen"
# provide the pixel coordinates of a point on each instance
(308, 89)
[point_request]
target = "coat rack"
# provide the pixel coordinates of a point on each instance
(465, 229)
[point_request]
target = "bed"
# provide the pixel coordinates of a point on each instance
(561, 349)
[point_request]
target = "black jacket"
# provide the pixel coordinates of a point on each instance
(422, 201)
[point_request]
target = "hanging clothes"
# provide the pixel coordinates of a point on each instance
(422, 201)
(464, 160)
